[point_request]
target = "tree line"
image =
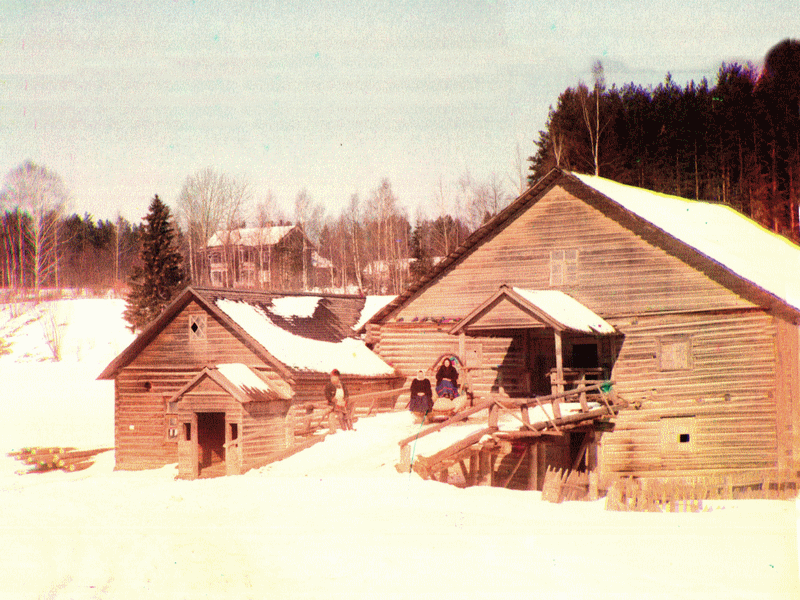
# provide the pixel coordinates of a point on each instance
(736, 141)
(370, 246)
(43, 247)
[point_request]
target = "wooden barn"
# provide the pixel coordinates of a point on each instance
(224, 379)
(689, 307)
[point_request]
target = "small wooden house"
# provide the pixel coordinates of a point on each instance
(223, 379)
(689, 307)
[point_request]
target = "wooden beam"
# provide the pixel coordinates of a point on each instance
(454, 419)
(508, 479)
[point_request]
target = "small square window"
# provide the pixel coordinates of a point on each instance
(197, 327)
(677, 435)
(674, 354)
(564, 266)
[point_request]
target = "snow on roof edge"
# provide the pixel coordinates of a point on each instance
(718, 231)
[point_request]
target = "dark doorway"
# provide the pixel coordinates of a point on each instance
(542, 358)
(584, 356)
(211, 439)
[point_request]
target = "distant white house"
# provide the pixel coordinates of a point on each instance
(263, 257)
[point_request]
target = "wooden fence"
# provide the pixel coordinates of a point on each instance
(687, 494)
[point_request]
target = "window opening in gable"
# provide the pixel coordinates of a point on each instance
(564, 266)
(197, 327)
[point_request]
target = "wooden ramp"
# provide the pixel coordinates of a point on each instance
(512, 458)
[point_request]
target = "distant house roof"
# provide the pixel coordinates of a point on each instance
(291, 332)
(251, 236)
(714, 238)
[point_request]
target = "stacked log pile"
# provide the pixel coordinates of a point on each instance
(43, 459)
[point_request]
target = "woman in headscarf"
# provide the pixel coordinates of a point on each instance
(447, 380)
(421, 396)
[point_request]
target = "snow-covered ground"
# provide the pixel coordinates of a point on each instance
(336, 520)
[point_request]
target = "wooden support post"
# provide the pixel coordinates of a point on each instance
(494, 411)
(526, 418)
(582, 397)
(473, 469)
(559, 363)
(485, 467)
(533, 466)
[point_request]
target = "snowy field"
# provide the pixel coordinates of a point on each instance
(335, 521)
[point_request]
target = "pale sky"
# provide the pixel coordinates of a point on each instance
(126, 99)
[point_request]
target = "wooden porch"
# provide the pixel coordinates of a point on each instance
(498, 456)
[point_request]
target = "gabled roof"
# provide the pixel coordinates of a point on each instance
(241, 382)
(725, 245)
(552, 308)
(290, 332)
(251, 236)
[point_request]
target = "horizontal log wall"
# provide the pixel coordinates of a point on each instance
(310, 392)
(140, 416)
(618, 272)
(174, 346)
(410, 347)
(262, 433)
(729, 393)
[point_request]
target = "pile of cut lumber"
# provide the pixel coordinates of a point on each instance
(43, 459)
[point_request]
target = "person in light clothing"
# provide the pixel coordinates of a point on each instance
(339, 400)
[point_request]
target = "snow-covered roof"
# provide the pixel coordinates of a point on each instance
(351, 356)
(320, 262)
(291, 307)
(566, 310)
(372, 305)
(717, 231)
(250, 236)
(247, 381)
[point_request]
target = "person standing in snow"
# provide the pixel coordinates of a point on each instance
(339, 400)
(421, 396)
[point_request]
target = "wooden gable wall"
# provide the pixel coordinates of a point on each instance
(172, 344)
(739, 392)
(162, 368)
(619, 272)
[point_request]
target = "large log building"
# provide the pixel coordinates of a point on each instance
(697, 310)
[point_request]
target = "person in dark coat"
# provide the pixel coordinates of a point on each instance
(421, 396)
(339, 400)
(447, 380)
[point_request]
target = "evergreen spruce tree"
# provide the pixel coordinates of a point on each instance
(423, 263)
(161, 275)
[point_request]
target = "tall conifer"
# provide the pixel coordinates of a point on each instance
(161, 275)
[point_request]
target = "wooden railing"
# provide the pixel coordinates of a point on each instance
(497, 404)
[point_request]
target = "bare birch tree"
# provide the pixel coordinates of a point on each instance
(41, 194)
(209, 202)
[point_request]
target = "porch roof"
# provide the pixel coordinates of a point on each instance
(241, 382)
(510, 307)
